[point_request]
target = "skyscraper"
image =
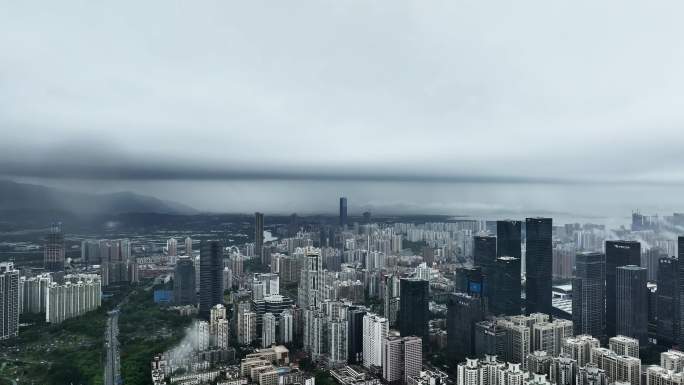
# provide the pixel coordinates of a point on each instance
(259, 236)
(375, 329)
(632, 303)
(504, 288)
(484, 255)
(343, 211)
(618, 253)
(539, 264)
(508, 239)
(211, 276)
(668, 321)
(9, 301)
(184, 282)
(188, 246)
(268, 330)
(172, 247)
(463, 312)
(588, 294)
(54, 248)
(355, 329)
(680, 288)
(413, 308)
(402, 358)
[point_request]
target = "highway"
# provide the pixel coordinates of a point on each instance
(112, 367)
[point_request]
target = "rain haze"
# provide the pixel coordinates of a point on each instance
(572, 109)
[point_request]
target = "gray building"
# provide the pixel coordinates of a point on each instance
(9, 301)
(539, 264)
(184, 282)
(589, 294)
(632, 303)
(211, 276)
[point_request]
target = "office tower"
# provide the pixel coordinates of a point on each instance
(624, 346)
(188, 246)
(564, 371)
(680, 312)
(211, 276)
(355, 340)
(508, 239)
(618, 253)
(490, 339)
(9, 300)
(391, 297)
(591, 375)
(259, 236)
(471, 280)
(588, 294)
(53, 252)
(375, 329)
(90, 252)
(184, 282)
(285, 332)
(538, 264)
(310, 290)
(268, 330)
(463, 312)
(343, 211)
(77, 295)
(667, 328)
(413, 308)
(579, 348)
(504, 287)
(337, 342)
(246, 327)
(402, 358)
(632, 302)
(484, 253)
(172, 247)
(539, 362)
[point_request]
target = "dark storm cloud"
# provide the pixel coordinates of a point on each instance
(517, 92)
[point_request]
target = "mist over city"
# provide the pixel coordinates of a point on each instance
(341, 193)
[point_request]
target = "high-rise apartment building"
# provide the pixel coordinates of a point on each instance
(579, 348)
(79, 294)
(211, 276)
(9, 300)
(268, 330)
(188, 246)
(632, 302)
(53, 251)
(413, 308)
(618, 253)
(538, 264)
(312, 278)
(402, 357)
(588, 294)
(337, 342)
(285, 330)
(375, 329)
(624, 346)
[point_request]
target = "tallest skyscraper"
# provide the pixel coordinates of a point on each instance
(211, 276)
(539, 264)
(54, 249)
(508, 239)
(343, 211)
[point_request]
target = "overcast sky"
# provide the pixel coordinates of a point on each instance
(457, 90)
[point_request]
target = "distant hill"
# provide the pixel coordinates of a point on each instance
(16, 196)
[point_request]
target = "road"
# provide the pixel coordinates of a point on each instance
(112, 367)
